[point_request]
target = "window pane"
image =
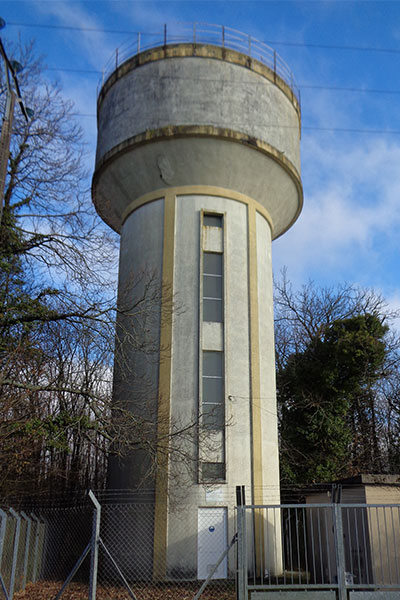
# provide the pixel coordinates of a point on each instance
(212, 220)
(212, 286)
(212, 263)
(213, 416)
(212, 310)
(212, 363)
(213, 390)
(213, 470)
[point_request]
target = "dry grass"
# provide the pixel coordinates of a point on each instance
(47, 590)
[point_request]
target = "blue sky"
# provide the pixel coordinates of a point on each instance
(345, 57)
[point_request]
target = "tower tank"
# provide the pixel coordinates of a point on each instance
(198, 170)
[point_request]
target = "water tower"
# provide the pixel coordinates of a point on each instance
(198, 169)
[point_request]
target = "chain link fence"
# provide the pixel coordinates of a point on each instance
(107, 552)
(121, 550)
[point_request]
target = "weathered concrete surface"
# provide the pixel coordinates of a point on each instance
(198, 91)
(202, 120)
(195, 160)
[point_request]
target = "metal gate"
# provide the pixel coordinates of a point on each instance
(324, 551)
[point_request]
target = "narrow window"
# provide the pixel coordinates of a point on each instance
(212, 220)
(212, 471)
(213, 409)
(212, 287)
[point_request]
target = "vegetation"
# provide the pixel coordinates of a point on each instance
(337, 382)
(58, 312)
(55, 320)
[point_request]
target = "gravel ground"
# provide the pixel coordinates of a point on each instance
(47, 590)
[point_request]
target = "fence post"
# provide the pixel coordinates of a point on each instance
(36, 549)
(15, 552)
(3, 516)
(339, 546)
(27, 544)
(94, 555)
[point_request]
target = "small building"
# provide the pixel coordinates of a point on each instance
(370, 522)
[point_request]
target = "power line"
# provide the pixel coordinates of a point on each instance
(270, 42)
(346, 89)
(72, 28)
(302, 86)
(70, 70)
(306, 127)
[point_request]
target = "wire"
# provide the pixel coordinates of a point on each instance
(271, 42)
(306, 127)
(207, 79)
(72, 28)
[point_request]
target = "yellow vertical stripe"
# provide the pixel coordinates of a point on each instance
(164, 392)
(256, 430)
(256, 437)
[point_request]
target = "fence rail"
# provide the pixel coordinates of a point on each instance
(204, 33)
(341, 547)
(109, 551)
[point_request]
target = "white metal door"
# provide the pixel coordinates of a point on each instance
(211, 542)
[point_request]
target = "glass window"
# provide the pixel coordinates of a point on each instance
(213, 363)
(213, 411)
(212, 310)
(212, 390)
(212, 220)
(213, 417)
(212, 264)
(211, 471)
(212, 287)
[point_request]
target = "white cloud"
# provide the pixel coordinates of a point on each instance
(96, 45)
(351, 214)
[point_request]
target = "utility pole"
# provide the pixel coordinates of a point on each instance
(11, 68)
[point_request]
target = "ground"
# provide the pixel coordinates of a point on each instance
(47, 590)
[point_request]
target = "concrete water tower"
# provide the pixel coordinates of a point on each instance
(198, 169)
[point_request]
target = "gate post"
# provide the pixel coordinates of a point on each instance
(241, 550)
(340, 554)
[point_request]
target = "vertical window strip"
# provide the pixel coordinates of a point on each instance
(212, 401)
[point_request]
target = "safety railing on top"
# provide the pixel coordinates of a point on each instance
(202, 33)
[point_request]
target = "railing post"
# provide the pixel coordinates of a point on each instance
(249, 40)
(194, 33)
(138, 42)
(36, 549)
(94, 555)
(165, 34)
(275, 66)
(15, 552)
(116, 58)
(339, 546)
(223, 36)
(27, 544)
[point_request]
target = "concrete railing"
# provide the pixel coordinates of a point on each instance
(201, 33)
